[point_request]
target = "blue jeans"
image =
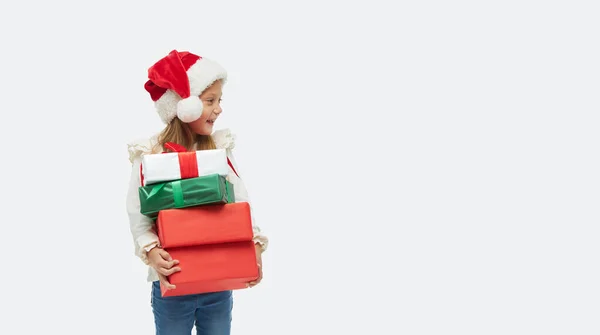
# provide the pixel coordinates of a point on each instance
(209, 312)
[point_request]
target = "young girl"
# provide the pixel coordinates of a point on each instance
(186, 90)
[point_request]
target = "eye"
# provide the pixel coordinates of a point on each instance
(212, 100)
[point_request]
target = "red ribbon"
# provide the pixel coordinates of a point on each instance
(231, 166)
(188, 163)
(174, 147)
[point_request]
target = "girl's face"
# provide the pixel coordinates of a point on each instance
(211, 100)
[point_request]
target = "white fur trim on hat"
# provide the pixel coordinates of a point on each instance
(201, 75)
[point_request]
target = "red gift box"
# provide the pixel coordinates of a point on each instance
(212, 268)
(213, 244)
(207, 224)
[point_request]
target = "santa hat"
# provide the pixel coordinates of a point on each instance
(176, 82)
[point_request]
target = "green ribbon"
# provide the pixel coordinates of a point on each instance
(229, 190)
(177, 192)
(154, 190)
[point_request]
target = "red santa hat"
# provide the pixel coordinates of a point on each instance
(176, 82)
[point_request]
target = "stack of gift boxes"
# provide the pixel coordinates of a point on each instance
(198, 220)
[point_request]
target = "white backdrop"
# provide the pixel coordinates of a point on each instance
(427, 167)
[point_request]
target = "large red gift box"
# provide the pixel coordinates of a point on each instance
(213, 244)
(212, 268)
(206, 224)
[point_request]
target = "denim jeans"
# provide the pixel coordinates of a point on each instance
(209, 312)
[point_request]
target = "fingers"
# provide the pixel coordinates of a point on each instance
(168, 271)
(254, 283)
(165, 255)
(257, 280)
(165, 267)
(166, 261)
(167, 264)
(165, 282)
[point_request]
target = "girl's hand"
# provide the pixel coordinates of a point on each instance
(164, 265)
(258, 250)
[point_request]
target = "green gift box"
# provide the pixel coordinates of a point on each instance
(203, 190)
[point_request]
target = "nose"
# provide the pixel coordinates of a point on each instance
(218, 110)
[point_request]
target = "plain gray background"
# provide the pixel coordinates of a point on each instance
(423, 167)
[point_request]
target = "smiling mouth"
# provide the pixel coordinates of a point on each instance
(211, 121)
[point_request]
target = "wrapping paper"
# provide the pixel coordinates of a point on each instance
(158, 168)
(212, 268)
(205, 190)
(208, 224)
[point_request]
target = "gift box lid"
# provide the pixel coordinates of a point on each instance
(206, 224)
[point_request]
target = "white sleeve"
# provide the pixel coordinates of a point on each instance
(241, 195)
(142, 227)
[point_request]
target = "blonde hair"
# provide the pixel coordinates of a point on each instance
(181, 133)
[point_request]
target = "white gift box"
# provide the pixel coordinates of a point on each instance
(164, 167)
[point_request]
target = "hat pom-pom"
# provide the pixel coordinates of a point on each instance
(189, 109)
